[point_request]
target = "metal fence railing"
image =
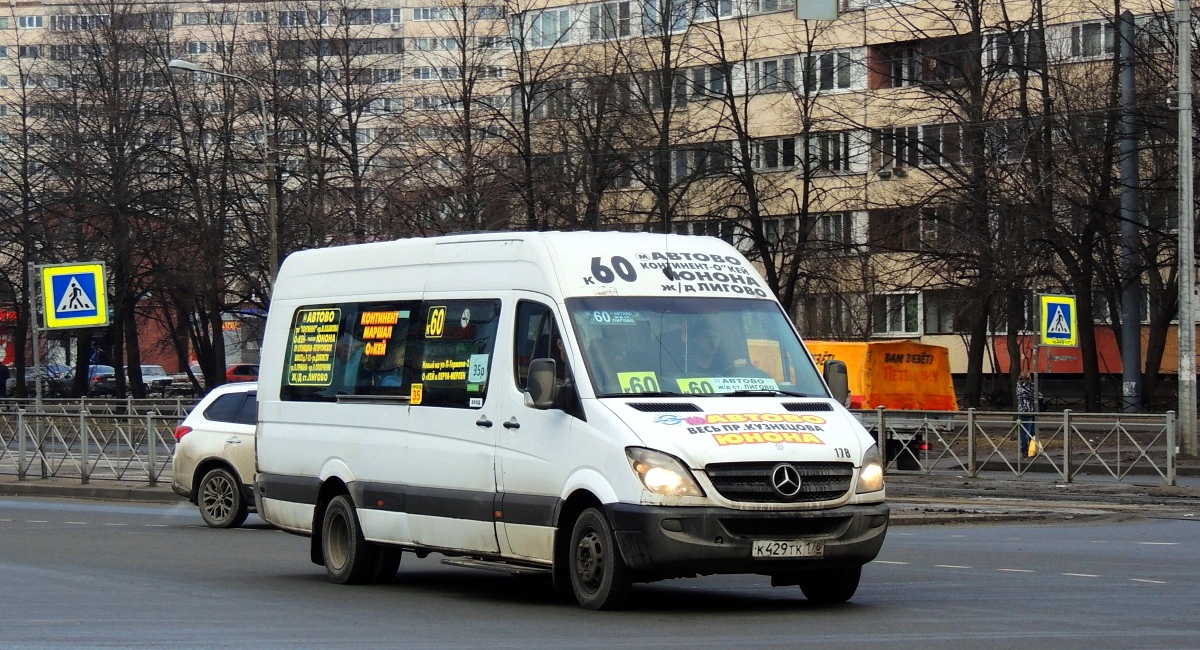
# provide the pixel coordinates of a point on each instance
(1073, 446)
(124, 440)
(132, 440)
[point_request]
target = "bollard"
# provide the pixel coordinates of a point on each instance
(21, 445)
(1171, 447)
(1066, 445)
(83, 446)
(972, 465)
(152, 441)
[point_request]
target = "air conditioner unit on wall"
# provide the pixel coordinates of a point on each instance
(899, 172)
(885, 173)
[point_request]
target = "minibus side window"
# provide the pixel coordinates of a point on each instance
(537, 337)
(349, 349)
(454, 361)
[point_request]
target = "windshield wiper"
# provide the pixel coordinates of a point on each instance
(763, 393)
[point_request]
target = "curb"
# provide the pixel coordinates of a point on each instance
(138, 494)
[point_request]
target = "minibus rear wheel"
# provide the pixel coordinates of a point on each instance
(599, 577)
(349, 559)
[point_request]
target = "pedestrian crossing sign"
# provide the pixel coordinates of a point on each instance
(73, 295)
(1059, 324)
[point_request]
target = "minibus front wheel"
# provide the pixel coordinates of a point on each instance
(599, 577)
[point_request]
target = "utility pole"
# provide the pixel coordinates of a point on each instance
(1187, 237)
(1131, 294)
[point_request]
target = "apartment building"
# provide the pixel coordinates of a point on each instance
(911, 169)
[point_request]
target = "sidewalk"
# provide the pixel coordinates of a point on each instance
(915, 499)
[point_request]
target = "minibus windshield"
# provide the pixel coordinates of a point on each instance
(691, 346)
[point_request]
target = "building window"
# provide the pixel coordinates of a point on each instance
(945, 60)
(771, 6)
(608, 21)
(773, 75)
(491, 12)
(550, 27)
(780, 230)
(718, 228)
(77, 22)
(30, 22)
(832, 315)
(894, 230)
(256, 17)
(830, 71)
(896, 313)
(899, 65)
(944, 312)
(896, 147)
(829, 152)
(709, 81)
(832, 233)
(709, 9)
(1091, 40)
(940, 144)
(358, 16)
(773, 153)
(29, 51)
(1023, 49)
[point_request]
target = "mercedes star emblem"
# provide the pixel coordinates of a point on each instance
(786, 480)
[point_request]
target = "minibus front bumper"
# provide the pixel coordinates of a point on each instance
(670, 541)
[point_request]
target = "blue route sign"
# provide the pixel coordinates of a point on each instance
(74, 295)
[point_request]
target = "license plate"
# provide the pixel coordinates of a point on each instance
(786, 548)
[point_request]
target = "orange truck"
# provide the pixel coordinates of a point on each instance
(900, 376)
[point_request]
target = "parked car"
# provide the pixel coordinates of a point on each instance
(181, 383)
(155, 380)
(241, 372)
(213, 465)
(52, 374)
(95, 381)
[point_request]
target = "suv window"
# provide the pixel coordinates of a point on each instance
(237, 408)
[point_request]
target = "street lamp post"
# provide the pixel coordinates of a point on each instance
(268, 168)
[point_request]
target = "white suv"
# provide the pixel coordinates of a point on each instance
(213, 465)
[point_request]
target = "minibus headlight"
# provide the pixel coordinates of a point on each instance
(662, 474)
(870, 476)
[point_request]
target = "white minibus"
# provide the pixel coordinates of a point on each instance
(601, 408)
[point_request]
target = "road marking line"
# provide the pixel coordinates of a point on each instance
(111, 524)
(36, 521)
(1150, 582)
(889, 562)
(1082, 575)
(951, 566)
(1159, 543)
(7, 520)
(156, 525)
(1017, 570)
(76, 523)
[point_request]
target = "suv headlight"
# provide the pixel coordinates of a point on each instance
(870, 475)
(662, 474)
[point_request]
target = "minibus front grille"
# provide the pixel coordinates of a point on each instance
(756, 482)
(807, 406)
(663, 407)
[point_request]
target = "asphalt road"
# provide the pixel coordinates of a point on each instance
(90, 574)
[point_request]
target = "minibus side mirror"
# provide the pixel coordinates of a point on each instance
(838, 380)
(540, 391)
